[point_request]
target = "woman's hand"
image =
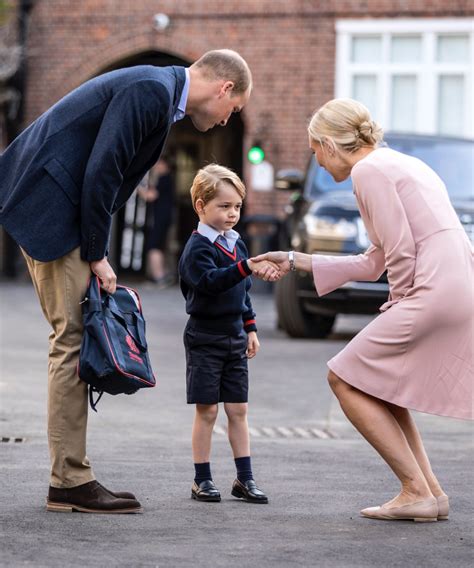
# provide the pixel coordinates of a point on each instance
(279, 259)
(253, 344)
(268, 271)
(303, 261)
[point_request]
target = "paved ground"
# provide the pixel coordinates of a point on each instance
(141, 443)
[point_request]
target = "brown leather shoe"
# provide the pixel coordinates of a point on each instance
(119, 494)
(89, 498)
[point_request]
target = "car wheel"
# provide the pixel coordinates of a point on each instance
(292, 318)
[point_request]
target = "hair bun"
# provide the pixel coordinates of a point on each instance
(347, 123)
(370, 132)
(366, 128)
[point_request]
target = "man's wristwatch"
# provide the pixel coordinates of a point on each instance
(291, 260)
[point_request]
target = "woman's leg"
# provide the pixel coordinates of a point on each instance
(204, 420)
(156, 264)
(372, 418)
(409, 428)
(238, 428)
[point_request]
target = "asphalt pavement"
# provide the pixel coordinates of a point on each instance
(316, 470)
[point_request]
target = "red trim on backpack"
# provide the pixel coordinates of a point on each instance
(135, 358)
(131, 344)
(118, 366)
(136, 293)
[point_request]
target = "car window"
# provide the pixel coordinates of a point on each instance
(452, 160)
(318, 181)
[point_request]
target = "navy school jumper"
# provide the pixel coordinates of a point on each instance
(215, 284)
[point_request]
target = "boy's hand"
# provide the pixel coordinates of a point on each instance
(280, 259)
(265, 269)
(253, 345)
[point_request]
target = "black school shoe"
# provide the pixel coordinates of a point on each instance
(205, 491)
(249, 492)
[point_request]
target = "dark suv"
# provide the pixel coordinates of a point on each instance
(323, 218)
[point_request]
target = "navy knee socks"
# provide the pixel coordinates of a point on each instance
(244, 469)
(202, 472)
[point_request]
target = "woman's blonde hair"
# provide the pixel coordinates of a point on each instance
(209, 179)
(345, 122)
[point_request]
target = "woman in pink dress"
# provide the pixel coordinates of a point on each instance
(417, 354)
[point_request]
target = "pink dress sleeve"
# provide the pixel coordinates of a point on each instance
(393, 246)
(331, 272)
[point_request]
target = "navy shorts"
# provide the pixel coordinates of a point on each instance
(216, 367)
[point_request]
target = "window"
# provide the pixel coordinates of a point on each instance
(414, 75)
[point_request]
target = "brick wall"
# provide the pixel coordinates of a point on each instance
(289, 44)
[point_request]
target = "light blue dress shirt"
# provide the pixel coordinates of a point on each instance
(228, 239)
(181, 110)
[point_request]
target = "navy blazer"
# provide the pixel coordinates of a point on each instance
(70, 170)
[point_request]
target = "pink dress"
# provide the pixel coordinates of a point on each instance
(418, 353)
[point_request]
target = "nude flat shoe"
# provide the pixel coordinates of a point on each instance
(443, 507)
(425, 511)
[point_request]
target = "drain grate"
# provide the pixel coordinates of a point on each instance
(283, 432)
(9, 440)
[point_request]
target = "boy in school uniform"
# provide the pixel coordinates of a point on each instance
(221, 333)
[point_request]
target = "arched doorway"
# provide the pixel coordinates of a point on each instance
(188, 150)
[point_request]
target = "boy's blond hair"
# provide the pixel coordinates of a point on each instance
(208, 180)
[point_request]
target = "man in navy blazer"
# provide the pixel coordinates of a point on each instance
(61, 181)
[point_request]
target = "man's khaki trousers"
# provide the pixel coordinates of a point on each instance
(61, 285)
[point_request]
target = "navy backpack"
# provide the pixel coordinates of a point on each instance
(114, 354)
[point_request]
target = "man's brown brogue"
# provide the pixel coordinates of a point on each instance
(90, 497)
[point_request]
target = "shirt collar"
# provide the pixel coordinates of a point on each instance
(230, 236)
(181, 110)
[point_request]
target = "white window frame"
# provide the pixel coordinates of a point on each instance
(427, 70)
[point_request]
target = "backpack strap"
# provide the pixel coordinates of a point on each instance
(89, 305)
(91, 397)
(140, 340)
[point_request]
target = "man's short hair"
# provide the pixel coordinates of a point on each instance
(208, 180)
(228, 65)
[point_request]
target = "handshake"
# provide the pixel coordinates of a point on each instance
(271, 266)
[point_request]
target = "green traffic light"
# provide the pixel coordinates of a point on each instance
(256, 155)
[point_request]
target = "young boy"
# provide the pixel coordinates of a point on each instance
(221, 332)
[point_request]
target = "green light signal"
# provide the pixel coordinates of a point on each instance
(256, 155)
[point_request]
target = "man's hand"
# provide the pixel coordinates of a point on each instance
(253, 345)
(107, 276)
(279, 259)
(148, 194)
(268, 271)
